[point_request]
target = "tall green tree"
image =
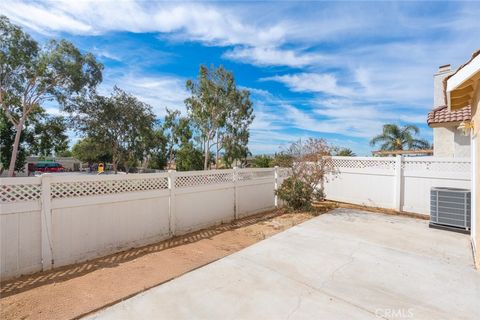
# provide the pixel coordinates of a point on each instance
(43, 135)
(263, 161)
(234, 137)
(342, 152)
(283, 159)
(189, 158)
(156, 151)
(31, 75)
(49, 136)
(65, 153)
(120, 122)
(91, 151)
(177, 132)
(220, 112)
(7, 137)
(394, 137)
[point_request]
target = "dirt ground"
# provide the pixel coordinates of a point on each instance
(76, 290)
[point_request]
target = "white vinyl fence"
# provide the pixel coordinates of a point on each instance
(400, 183)
(60, 219)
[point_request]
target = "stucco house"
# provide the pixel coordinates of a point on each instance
(462, 89)
(447, 140)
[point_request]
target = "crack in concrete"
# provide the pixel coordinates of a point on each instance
(299, 303)
(351, 259)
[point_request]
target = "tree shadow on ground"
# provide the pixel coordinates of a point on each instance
(27, 282)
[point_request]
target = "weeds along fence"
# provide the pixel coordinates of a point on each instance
(400, 183)
(60, 219)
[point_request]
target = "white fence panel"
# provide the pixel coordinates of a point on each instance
(20, 226)
(255, 191)
(396, 183)
(362, 180)
(365, 187)
(94, 216)
(60, 219)
(203, 199)
(421, 174)
(85, 232)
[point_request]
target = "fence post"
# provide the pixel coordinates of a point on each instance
(27, 172)
(398, 192)
(171, 201)
(276, 186)
(46, 218)
(235, 178)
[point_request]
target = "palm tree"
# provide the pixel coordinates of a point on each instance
(394, 137)
(344, 152)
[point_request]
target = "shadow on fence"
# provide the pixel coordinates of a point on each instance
(24, 283)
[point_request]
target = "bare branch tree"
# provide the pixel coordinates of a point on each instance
(311, 164)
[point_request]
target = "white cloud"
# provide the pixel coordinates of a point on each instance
(336, 125)
(264, 120)
(312, 82)
(185, 21)
(276, 117)
(270, 141)
(272, 56)
(42, 19)
(351, 109)
(367, 83)
(103, 53)
(158, 91)
(340, 116)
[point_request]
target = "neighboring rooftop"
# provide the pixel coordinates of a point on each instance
(403, 152)
(442, 115)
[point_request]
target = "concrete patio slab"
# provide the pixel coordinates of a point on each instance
(347, 264)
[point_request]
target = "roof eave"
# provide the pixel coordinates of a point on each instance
(465, 81)
(444, 124)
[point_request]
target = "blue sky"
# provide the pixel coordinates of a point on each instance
(337, 70)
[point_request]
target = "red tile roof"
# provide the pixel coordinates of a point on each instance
(442, 115)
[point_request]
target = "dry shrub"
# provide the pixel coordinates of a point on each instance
(311, 162)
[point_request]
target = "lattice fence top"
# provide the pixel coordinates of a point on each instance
(103, 187)
(385, 164)
(436, 165)
(20, 192)
(187, 181)
(255, 175)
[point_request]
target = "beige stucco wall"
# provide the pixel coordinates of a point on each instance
(461, 144)
(443, 142)
(447, 140)
(450, 143)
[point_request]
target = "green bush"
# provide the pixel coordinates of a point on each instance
(262, 161)
(296, 193)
